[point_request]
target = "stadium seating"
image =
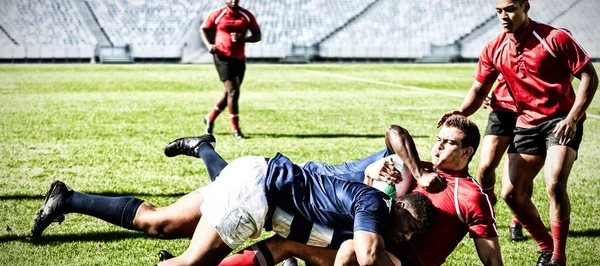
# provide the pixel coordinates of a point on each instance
(575, 15)
(326, 28)
(298, 22)
(410, 24)
(145, 22)
(44, 22)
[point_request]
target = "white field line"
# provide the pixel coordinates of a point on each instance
(372, 81)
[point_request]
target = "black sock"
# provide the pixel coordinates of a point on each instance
(213, 161)
(116, 210)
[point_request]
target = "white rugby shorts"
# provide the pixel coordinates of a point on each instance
(235, 204)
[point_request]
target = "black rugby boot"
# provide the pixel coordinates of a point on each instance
(164, 255)
(188, 145)
(53, 209)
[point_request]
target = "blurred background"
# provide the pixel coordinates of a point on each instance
(295, 31)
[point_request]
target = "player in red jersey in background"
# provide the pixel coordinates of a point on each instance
(498, 135)
(231, 23)
(537, 62)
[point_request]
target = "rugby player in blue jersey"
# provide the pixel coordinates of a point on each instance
(253, 193)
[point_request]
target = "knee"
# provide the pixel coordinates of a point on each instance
(556, 190)
(152, 222)
(511, 196)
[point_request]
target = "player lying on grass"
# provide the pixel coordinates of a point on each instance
(256, 192)
(460, 207)
(468, 212)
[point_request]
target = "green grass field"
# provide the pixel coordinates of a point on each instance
(102, 129)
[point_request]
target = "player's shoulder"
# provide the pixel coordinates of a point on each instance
(551, 33)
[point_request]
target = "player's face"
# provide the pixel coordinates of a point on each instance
(404, 226)
(447, 152)
(232, 3)
(512, 14)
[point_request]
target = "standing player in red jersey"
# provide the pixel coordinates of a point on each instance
(537, 62)
(231, 23)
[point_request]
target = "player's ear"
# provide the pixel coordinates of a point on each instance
(526, 6)
(469, 151)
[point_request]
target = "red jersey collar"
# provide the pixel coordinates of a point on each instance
(451, 173)
(524, 33)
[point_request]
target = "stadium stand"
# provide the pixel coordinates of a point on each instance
(548, 12)
(128, 30)
(147, 23)
(409, 27)
(44, 22)
(583, 22)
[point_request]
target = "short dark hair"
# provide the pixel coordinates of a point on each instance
(521, 1)
(421, 207)
(472, 135)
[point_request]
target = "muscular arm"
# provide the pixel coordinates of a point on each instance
(585, 92)
(399, 140)
(488, 250)
(370, 249)
(204, 35)
(473, 100)
(255, 37)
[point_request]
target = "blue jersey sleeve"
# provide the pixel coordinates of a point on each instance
(371, 213)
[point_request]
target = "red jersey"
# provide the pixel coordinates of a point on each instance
(537, 64)
(225, 21)
(501, 100)
(461, 208)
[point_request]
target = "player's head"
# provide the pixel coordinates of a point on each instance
(456, 143)
(512, 14)
(413, 214)
(232, 3)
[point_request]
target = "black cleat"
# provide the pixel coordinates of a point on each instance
(516, 232)
(52, 210)
(238, 134)
(164, 255)
(188, 145)
(208, 130)
(554, 263)
(544, 258)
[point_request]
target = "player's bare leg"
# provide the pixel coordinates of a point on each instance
(492, 150)
(177, 220)
(206, 248)
(559, 163)
(517, 178)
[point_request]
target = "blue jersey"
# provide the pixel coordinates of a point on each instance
(326, 204)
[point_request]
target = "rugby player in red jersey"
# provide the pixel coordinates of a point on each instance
(537, 61)
(231, 22)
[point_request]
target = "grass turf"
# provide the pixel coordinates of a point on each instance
(102, 128)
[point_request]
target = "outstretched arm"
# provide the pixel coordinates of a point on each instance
(473, 100)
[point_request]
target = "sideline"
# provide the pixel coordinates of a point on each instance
(372, 81)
